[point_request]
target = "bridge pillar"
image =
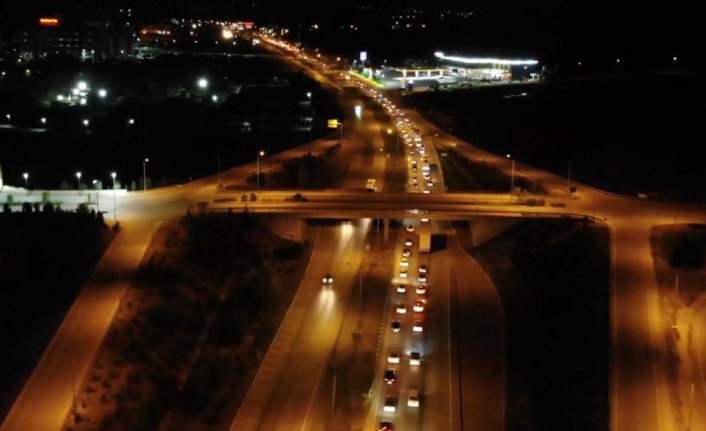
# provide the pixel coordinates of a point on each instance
(386, 230)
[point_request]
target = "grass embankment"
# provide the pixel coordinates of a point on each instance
(310, 171)
(553, 278)
(190, 333)
(464, 174)
(46, 256)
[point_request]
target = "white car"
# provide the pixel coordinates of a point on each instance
(406, 252)
(393, 358)
(390, 404)
(396, 326)
(422, 269)
(422, 278)
(421, 289)
(418, 306)
(410, 228)
(413, 398)
(408, 242)
(415, 358)
(328, 278)
(404, 262)
(401, 288)
(403, 273)
(418, 326)
(426, 191)
(401, 309)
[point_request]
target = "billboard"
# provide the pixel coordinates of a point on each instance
(47, 21)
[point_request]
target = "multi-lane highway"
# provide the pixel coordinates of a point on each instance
(642, 396)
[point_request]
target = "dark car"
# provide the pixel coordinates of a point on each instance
(386, 426)
(389, 376)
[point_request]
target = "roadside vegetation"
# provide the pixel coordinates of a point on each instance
(191, 331)
(464, 174)
(46, 256)
(310, 171)
(679, 252)
(553, 279)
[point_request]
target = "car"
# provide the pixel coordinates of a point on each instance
(389, 376)
(328, 278)
(414, 168)
(425, 220)
(403, 273)
(390, 404)
(410, 228)
(422, 278)
(396, 326)
(426, 191)
(401, 288)
(415, 184)
(404, 262)
(413, 398)
(421, 289)
(430, 183)
(386, 426)
(415, 358)
(418, 326)
(401, 309)
(422, 269)
(406, 252)
(418, 306)
(408, 242)
(393, 358)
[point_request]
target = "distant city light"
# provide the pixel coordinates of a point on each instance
(674, 59)
(60, 97)
(86, 122)
(82, 86)
(617, 60)
(75, 91)
(102, 93)
(214, 98)
(202, 83)
(131, 121)
(227, 34)
(83, 101)
(43, 120)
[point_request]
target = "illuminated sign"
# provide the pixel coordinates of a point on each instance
(49, 22)
(363, 55)
(332, 124)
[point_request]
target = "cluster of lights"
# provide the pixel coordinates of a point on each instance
(80, 94)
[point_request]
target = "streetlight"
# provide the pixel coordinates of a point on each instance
(202, 83)
(130, 121)
(308, 94)
(26, 177)
(214, 98)
(78, 179)
(86, 122)
(115, 207)
(8, 116)
(512, 175)
(82, 86)
(144, 174)
(98, 205)
(102, 93)
(43, 120)
(257, 172)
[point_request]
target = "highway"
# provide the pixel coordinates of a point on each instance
(642, 397)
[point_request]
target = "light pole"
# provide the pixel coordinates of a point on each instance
(26, 177)
(512, 175)
(78, 179)
(98, 206)
(115, 207)
(144, 174)
(257, 173)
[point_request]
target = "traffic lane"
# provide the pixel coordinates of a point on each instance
(437, 407)
(292, 399)
(640, 391)
(479, 337)
(47, 397)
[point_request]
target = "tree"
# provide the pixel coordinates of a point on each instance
(26, 207)
(48, 208)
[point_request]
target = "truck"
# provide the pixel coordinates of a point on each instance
(370, 185)
(425, 236)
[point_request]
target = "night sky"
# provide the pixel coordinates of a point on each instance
(548, 26)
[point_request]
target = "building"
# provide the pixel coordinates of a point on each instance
(488, 69)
